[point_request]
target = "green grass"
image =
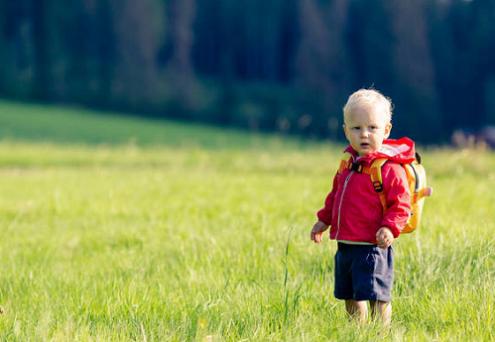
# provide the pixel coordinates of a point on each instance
(174, 241)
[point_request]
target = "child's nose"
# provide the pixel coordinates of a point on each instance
(365, 133)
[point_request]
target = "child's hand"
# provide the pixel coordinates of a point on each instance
(317, 231)
(384, 237)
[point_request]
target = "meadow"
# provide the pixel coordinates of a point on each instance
(116, 228)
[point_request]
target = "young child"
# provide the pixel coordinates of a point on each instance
(363, 229)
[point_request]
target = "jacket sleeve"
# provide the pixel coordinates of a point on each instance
(325, 213)
(397, 194)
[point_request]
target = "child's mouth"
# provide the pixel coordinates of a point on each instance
(365, 145)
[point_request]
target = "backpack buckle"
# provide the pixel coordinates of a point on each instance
(356, 167)
(378, 186)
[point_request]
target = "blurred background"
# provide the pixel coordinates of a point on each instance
(283, 66)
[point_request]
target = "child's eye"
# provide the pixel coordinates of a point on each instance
(356, 128)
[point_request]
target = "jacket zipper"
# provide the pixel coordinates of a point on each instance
(340, 203)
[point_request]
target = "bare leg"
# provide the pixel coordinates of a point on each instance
(357, 310)
(383, 310)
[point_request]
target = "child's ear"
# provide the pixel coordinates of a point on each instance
(345, 131)
(388, 128)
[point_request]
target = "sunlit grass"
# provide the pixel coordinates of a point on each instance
(159, 243)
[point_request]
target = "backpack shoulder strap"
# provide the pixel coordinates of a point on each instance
(345, 161)
(375, 172)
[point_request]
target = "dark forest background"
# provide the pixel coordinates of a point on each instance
(265, 65)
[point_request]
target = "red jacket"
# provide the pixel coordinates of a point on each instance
(353, 208)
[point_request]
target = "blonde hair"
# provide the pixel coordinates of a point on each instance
(371, 97)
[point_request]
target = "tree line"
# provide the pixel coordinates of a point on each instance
(278, 65)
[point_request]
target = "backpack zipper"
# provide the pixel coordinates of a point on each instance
(340, 203)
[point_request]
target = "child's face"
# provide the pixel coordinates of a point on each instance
(366, 127)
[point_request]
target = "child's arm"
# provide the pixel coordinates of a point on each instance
(325, 213)
(397, 193)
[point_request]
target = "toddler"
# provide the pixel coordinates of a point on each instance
(364, 230)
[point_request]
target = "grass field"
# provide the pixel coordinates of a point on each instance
(122, 229)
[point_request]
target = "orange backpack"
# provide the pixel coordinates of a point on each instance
(416, 178)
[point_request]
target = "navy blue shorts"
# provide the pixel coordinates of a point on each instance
(363, 272)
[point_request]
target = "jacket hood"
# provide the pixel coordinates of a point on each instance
(398, 150)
